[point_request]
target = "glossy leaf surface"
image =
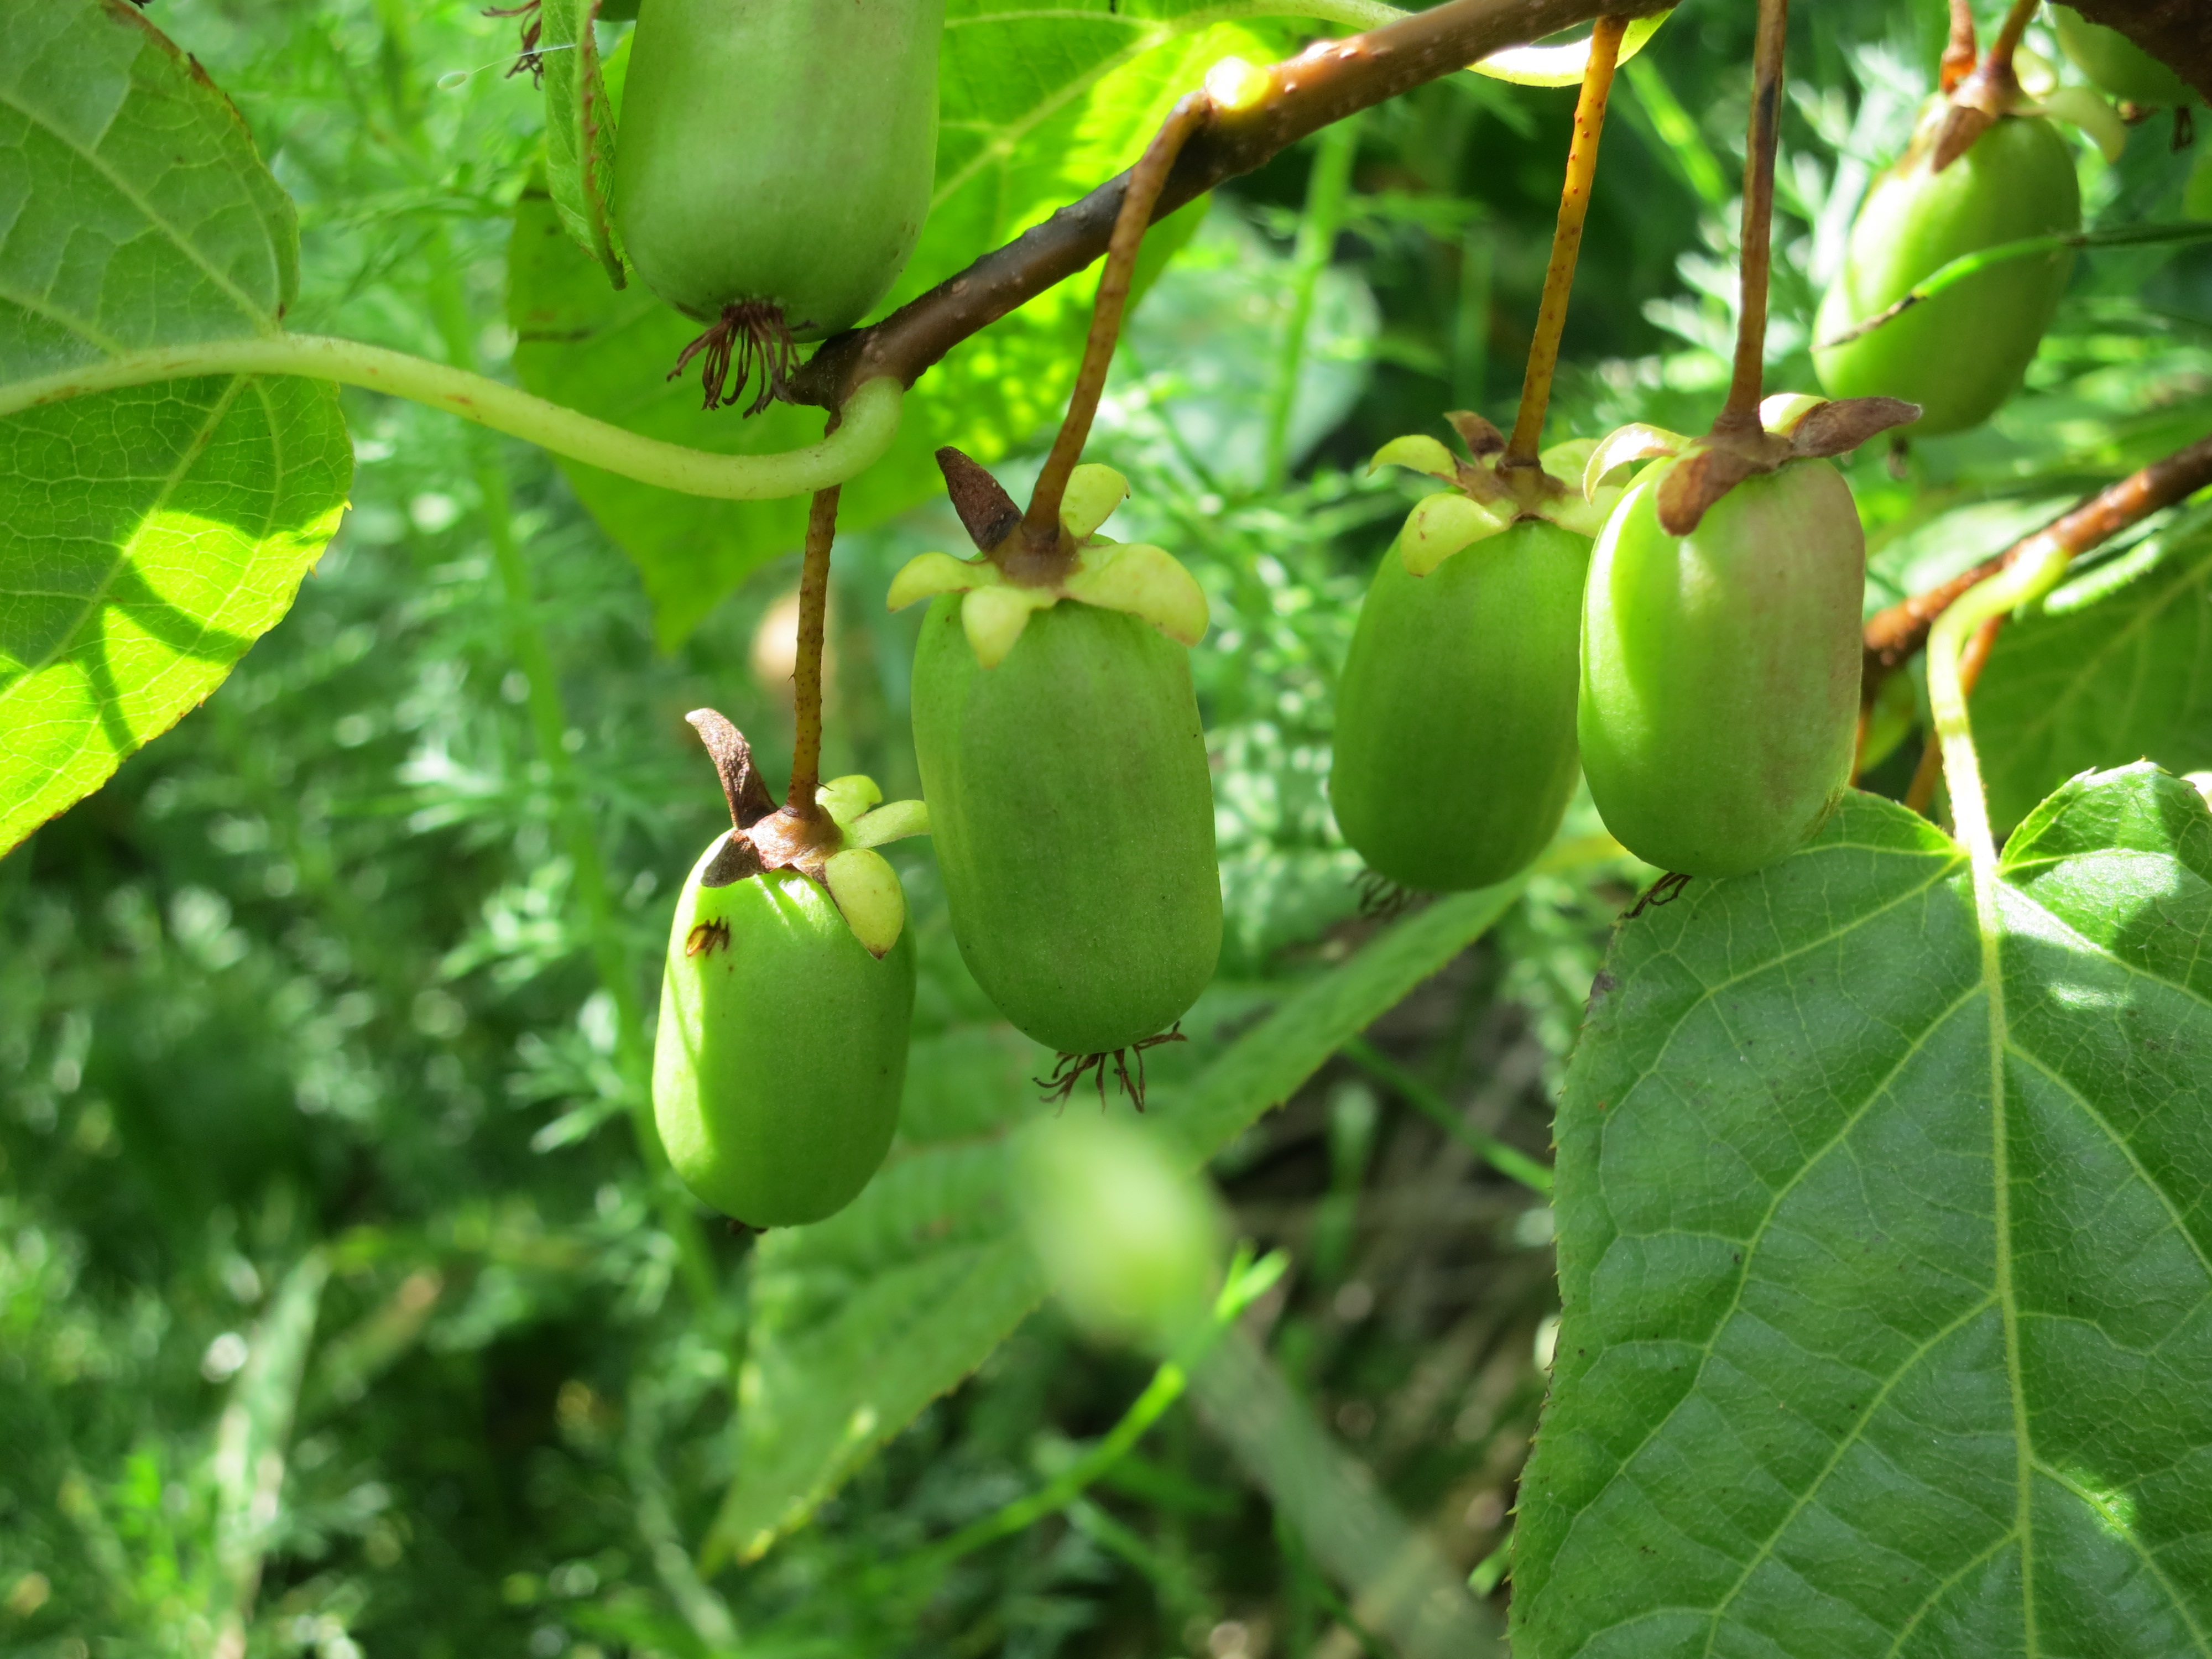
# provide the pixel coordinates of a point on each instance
(147, 537)
(1886, 1250)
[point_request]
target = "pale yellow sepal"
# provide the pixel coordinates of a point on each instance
(2086, 108)
(1145, 581)
(1235, 85)
(869, 897)
(1093, 493)
(845, 798)
(1417, 454)
(895, 821)
(1561, 66)
(994, 617)
(1634, 443)
(1585, 515)
(927, 574)
(1783, 411)
(1440, 525)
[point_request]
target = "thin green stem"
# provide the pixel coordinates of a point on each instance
(871, 414)
(1510, 1161)
(1968, 265)
(1327, 188)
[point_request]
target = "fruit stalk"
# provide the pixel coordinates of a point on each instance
(1962, 48)
(806, 664)
(1566, 242)
(1741, 413)
(1041, 524)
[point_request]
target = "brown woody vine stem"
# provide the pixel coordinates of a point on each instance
(1041, 524)
(1327, 82)
(1893, 635)
(1745, 385)
(1566, 243)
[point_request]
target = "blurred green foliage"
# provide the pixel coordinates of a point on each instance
(343, 1312)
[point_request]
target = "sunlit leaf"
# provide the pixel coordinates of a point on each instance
(1886, 1253)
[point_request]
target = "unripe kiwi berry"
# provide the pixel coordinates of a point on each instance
(2117, 64)
(779, 152)
(1720, 670)
(1455, 750)
(1960, 353)
(781, 1049)
(1073, 812)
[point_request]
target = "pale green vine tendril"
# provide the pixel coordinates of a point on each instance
(2032, 574)
(870, 414)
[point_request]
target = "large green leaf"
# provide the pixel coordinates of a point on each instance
(579, 133)
(1885, 1252)
(2116, 667)
(1036, 112)
(150, 535)
(860, 1322)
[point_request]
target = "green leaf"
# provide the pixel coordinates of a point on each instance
(1036, 114)
(2116, 667)
(580, 130)
(862, 1321)
(1886, 1253)
(153, 534)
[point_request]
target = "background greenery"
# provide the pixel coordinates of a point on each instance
(341, 1314)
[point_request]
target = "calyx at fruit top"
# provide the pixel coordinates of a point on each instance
(1792, 425)
(1009, 580)
(1489, 494)
(835, 845)
(2015, 84)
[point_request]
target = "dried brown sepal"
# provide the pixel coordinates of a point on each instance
(1691, 487)
(750, 800)
(1482, 438)
(534, 28)
(1068, 1072)
(785, 840)
(1381, 899)
(749, 342)
(1661, 893)
(988, 511)
(1837, 428)
(738, 860)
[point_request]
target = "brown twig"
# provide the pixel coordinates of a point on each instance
(1745, 385)
(1893, 635)
(1566, 242)
(1041, 524)
(1962, 51)
(1324, 83)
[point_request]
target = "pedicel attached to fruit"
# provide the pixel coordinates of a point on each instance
(1065, 765)
(1721, 651)
(1454, 747)
(787, 999)
(773, 169)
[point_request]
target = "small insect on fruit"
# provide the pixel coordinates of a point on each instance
(786, 1001)
(773, 165)
(1960, 353)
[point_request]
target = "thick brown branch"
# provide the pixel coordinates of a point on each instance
(1894, 635)
(1325, 83)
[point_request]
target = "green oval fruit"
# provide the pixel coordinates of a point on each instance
(779, 150)
(1073, 813)
(2117, 64)
(1456, 714)
(1131, 1239)
(781, 1049)
(1720, 670)
(1960, 354)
